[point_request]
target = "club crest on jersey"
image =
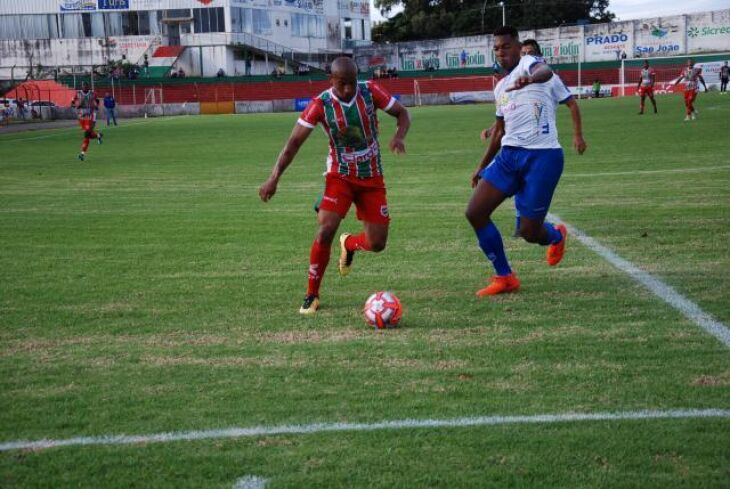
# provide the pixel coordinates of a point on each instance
(384, 211)
(352, 136)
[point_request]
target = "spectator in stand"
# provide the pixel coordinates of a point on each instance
(220, 73)
(110, 105)
(21, 108)
(248, 65)
(463, 57)
(596, 89)
(623, 55)
(392, 72)
(6, 112)
(146, 66)
(180, 73)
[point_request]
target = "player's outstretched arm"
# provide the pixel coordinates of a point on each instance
(494, 146)
(540, 73)
(297, 138)
(397, 144)
(578, 142)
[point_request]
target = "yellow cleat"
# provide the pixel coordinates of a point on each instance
(310, 305)
(345, 261)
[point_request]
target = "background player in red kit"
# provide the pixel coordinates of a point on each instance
(646, 86)
(347, 111)
(691, 76)
(86, 104)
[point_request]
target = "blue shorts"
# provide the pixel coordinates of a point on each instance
(531, 175)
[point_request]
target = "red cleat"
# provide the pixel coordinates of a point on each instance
(555, 252)
(500, 285)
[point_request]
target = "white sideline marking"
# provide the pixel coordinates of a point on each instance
(665, 292)
(302, 429)
(60, 131)
(250, 482)
(649, 172)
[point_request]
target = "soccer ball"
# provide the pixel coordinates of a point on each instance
(383, 310)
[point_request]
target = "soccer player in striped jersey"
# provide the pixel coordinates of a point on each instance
(646, 86)
(347, 113)
(691, 76)
(86, 105)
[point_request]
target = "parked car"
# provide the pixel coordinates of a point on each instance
(42, 103)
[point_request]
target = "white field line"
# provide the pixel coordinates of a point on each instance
(250, 482)
(66, 130)
(649, 172)
(662, 290)
(303, 429)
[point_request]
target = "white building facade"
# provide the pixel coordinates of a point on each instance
(217, 33)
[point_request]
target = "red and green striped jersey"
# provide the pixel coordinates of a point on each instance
(352, 129)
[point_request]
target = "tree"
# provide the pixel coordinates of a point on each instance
(433, 19)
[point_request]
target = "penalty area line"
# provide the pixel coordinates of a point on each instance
(303, 429)
(662, 290)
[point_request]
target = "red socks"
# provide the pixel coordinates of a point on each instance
(357, 243)
(85, 145)
(319, 258)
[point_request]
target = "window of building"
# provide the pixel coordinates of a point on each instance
(261, 22)
(303, 25)
(29, 26)
(209, 20)
(144, 22)
(72, 26)
(348, 28)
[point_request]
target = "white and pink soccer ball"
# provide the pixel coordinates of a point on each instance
(383, 310)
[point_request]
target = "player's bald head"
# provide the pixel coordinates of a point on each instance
(344, 68)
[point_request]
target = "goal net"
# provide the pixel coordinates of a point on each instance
(471, 88)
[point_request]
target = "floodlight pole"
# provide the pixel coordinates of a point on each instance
(504, 12)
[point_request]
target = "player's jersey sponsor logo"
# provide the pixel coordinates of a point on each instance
(330, 199)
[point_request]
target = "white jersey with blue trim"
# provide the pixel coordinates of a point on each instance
(529, 113)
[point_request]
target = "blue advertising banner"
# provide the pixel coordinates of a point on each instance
(113, 4)
(301, 103)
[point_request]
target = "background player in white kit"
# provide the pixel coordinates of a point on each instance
(646, 86)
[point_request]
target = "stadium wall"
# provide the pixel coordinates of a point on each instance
(654, 37)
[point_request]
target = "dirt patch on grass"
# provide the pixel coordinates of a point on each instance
(218, 362)
(722, 380)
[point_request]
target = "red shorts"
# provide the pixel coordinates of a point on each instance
(368, 196)
(646, 91)
(87, 123)
(690, 95)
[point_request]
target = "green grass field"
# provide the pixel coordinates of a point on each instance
(149, 290)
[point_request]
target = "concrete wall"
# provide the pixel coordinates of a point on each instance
(661, 36)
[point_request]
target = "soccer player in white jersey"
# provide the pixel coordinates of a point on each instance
(646, 86)
(529, 163)
(691, 76)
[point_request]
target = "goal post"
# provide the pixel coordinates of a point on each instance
(434, 86)
(153, 98)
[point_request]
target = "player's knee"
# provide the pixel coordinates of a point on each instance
(477, 219)
(326, 233)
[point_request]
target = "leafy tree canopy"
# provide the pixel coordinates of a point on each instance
(433, 19)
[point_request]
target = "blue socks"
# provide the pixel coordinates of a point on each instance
(490, 241)
(553, 235)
